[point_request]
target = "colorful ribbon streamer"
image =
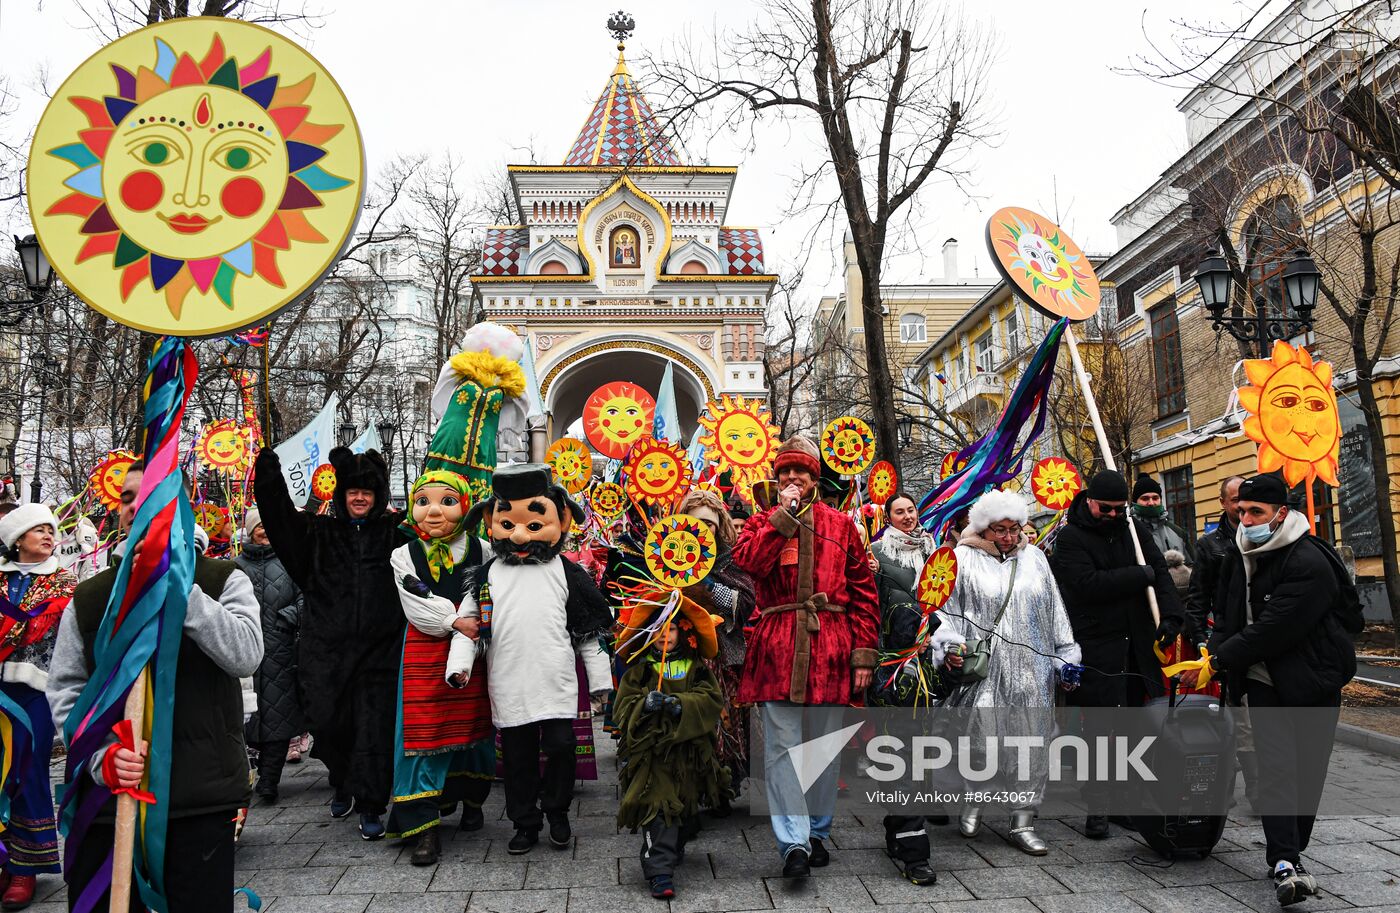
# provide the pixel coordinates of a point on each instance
(142, 626)
(995, 458)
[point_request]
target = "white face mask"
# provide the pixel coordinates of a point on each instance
(1259, 534)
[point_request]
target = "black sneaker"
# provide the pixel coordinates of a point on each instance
(341, 805)
(661, 887)
(371, 828)
(1309, 882)
(523, 842)
(819, 858)
(559, 833)
(472, 818)
(919, 873)
(795, 864)
(1096, 827)
(1288, 887)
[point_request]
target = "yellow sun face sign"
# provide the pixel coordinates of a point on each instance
(848, 445)
(738, 434)
(657, 472)
(608, 500)
(1293, 415)
(1055, 482)
(108, 476)
(883, 482)
(571, 462)
(935, 585)
(226, 447)
(196, 176)
(679, 551)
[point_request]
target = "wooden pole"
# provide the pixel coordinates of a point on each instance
(124, 844)
(1108, 460)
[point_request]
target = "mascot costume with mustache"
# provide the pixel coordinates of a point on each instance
(536, 612)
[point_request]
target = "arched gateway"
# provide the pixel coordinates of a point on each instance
(623, 263)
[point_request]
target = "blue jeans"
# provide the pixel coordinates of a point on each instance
(798, 815)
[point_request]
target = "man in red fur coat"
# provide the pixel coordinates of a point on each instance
(813, 648)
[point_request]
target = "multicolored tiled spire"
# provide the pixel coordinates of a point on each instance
(621, 129)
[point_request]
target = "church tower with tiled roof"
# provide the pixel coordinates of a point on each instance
(624, 262)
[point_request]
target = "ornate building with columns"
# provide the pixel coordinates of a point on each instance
(624, 261)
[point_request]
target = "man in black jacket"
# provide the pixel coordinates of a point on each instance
(1280, 642)
(351, 624)
(1211, 552)
(1105, 592)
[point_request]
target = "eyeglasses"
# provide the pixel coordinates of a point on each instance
(1111, 509)
(1004, 531)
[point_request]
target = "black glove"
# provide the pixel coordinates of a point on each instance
(416, 587)
(653, 702)
(673, 705)
(1168, 629)
(268, 457)
(1151, 573)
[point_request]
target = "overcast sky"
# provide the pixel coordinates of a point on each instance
(1078, 137)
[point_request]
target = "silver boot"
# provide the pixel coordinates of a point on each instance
(1023, 833)
(970, 821)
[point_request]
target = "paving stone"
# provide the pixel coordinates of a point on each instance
(361, 852)
(337, 903)
(493, 877)
(1365, 889)
(274, 856)
(1009, 905)
(564, 872)
(296, 882)
(1020, 881)
(722, 894)
(1110, 902)
(518, 901)
(1349, 857)
(1344, 830)
(385, 879)
(446, 902)
(1101, 877)
(1196, 899)
(1259, 896)
(266, 834)
(1184, 872)
(899, 890)
(832, 891)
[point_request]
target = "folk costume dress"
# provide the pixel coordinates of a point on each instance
(478, 396)
(35, 597)
(445, 746)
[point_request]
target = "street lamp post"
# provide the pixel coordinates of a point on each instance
(386, 430)
(905, 424)
(345, 434)
(1301, 279)
(38, 277)
(46, 368)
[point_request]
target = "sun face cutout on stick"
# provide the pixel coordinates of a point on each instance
(1055, 482)
(848, 445)
(107, 477)
(616, 416)
(738, 435)
(679, 551)
(196, 176)
(1293, 415)
(1039, 259)
(323, 482)
(935, 584)
(883, 482)
(608, 500)
(571, 462)
(657, 472)
(226, 447)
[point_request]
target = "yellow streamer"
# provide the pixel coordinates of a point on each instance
(1201, 665)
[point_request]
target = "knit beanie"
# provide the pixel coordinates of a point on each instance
(1107, 485)
(251, 521)
(1146, 485)
(798, 453)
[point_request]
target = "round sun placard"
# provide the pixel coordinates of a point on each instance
(323, 482)
(935, 585)
(1040, 260)
(883, 481)
(108, 476)
(1055, 482)
(848, 445)
(226, 447)
(196, 176)
(210, 517)
(1293, 415)
(608, 500)
(571, 462)
(738, 435)
(657, 472)
(616, 416)
(679, 551)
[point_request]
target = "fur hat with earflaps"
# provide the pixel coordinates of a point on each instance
(366, 470)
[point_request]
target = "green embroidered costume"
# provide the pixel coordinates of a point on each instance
(478, 396)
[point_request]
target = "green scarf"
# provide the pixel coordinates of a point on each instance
(438, 551)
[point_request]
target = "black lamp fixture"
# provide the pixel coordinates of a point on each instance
(905, 424)
(345, 433)
(386, 431)
(1301, 280)
(38, 278)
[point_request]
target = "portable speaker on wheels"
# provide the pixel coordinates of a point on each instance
(1193, 758)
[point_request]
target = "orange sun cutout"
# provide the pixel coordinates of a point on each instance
(108, 476)
(323, 482)
(738, 434)
(883, 482)
(616, 416)
(657, 472)
(608, 500)
(1293, 415)
(226, 447)
(571, 462)
(936, 580)
(1055, 482)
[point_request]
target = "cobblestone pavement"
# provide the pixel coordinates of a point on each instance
(299, 860)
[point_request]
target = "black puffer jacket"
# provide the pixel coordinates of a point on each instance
(279, 708)
(351, 622)
(1212, 550)
(900, 618)
(1291, 627)
(1105, 589)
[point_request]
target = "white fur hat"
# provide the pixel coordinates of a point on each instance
(494, 338)
(997, 505)
(24, 518)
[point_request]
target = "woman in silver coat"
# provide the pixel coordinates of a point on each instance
(1032, 641)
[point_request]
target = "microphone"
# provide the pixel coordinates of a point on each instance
(793, 506)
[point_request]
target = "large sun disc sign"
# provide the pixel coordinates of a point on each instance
(195, 177)
(848, 445)
(657, 472)
(936, 579)
(679, 550)
(616, 416)
(883, 482)
(1293, 415)
(1038, 259)
(1055, 482)
(571, 462)
(107, 478)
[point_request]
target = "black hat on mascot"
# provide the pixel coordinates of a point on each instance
(360, 470)
(528, 515)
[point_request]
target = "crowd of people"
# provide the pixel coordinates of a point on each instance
(428, 663)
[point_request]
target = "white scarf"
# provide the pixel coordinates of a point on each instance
(48, 566)
(904, 549)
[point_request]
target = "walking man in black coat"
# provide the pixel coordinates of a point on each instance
(351, 623)
(1105, 592)
(1282, 640)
